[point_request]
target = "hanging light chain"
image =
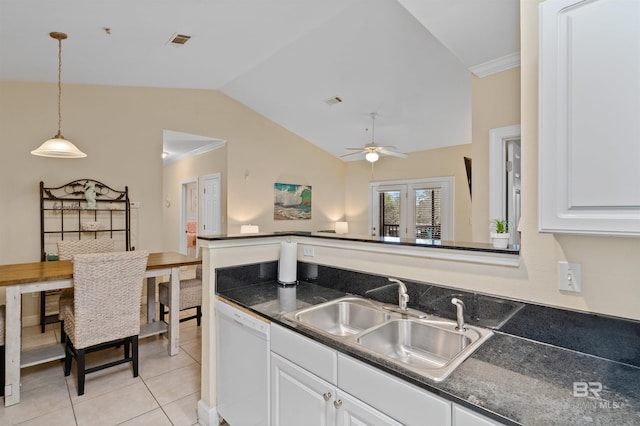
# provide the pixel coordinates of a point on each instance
(59, 36)
(59, 87)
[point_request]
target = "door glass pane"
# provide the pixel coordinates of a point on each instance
(427, 213)
(389, 213)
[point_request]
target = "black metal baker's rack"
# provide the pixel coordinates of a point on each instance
(68, 202)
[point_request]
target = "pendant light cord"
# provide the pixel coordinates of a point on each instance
(59, 87)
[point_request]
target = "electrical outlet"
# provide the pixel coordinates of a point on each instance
(569, 277)
(308, 251)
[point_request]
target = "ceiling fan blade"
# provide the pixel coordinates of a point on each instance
(389, 147)
(352, 153)
(393, 153)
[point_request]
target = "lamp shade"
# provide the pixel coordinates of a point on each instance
(342, 228)
(249, 229)
(372, 157)
(58, 147)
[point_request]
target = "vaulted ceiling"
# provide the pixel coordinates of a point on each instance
(410, 61)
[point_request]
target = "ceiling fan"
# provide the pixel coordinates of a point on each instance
(372, 149)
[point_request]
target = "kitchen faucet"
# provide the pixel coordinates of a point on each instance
(403, 300)
(403, 296)
(459, 313)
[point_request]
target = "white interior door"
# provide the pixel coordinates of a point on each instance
(513, 188)
(211, 210)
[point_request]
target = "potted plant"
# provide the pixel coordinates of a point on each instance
(500, 236)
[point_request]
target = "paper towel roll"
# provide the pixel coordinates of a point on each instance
(288, 262)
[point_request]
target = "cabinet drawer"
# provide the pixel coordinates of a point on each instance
(310, 355)
(405, 403)
(464, 417)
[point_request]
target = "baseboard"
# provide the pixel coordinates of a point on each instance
(207, 416)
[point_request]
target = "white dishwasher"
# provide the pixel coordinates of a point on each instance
(242, 366)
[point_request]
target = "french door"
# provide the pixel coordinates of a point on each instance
(416, 209)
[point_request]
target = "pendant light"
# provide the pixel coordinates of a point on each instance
(58, 146)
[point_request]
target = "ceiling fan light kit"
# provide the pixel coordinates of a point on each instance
(58, 146)
(372, 150)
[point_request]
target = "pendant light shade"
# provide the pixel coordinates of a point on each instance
(58, 146)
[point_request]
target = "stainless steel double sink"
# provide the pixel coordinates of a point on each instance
(427, 345)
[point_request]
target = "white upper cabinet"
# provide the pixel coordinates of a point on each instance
(589, 158)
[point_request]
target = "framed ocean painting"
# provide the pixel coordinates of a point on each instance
(291, 202)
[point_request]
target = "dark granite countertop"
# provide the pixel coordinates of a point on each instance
(414, 242)
(512, 379)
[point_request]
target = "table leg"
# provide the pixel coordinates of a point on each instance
(174, 311)
(12, 346)
(151, 299)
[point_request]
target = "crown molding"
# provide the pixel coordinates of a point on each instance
(496, 65)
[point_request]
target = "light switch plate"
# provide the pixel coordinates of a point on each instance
(569, 277)
(308, 251)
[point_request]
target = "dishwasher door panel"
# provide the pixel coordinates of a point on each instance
(242, 373)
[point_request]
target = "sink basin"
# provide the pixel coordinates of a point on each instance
(342, 317)
(430, 347)
(415, 343)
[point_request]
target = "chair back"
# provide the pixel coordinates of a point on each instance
(107, 288)
(68, 248)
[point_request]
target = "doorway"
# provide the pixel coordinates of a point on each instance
(188, 216)
(505, 178)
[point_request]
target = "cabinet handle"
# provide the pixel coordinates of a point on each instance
(326, 396)
(337, 403)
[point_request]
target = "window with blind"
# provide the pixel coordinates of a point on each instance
(427, 213)
(389, 213)
(421, 209)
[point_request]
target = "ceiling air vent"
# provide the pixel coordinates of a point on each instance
(332, 101)
(179, 39)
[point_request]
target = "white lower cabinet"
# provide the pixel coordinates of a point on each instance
(351, 411)
(312, 384)
(464, 417)
(301, 398)
(394, 397)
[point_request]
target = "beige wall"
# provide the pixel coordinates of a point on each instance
(257, 163)
(496, 103)
(422, 164)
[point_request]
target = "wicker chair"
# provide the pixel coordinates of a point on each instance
(190, 296)
(106, 309)
(2, 314)
(66, 250)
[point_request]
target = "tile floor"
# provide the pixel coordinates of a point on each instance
(166, 392)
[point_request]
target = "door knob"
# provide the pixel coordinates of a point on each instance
(337, 403)
(326, 396)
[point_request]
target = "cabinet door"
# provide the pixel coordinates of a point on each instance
(464, 417)
(589, 179)
(349, 411)
(298, 397)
